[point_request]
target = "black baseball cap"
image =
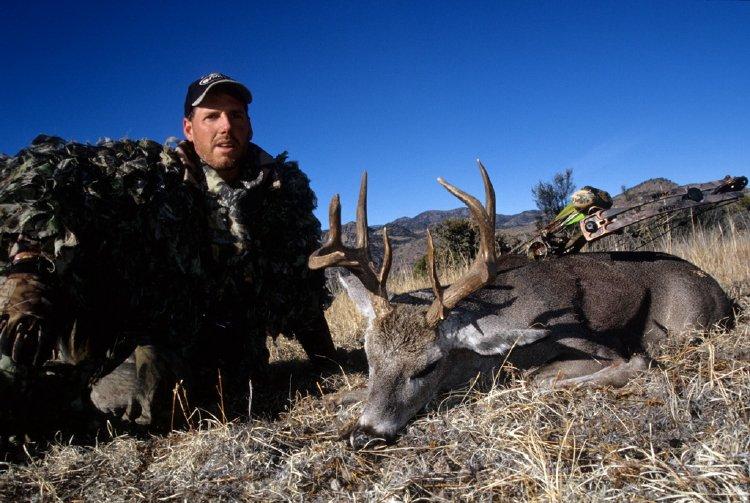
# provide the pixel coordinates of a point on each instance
(198, 90)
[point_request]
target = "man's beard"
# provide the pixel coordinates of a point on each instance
(225, 163)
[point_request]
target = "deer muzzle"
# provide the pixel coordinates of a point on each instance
(362, 436)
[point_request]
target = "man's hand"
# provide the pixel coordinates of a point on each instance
(25, 312)
(150, 372)
(139, 390)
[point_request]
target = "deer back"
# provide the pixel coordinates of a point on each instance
(635, 296)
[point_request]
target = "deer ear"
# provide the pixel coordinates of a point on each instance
(487, 335)
(359, 295)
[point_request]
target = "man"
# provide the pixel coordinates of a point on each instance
(266, 206)
(261, 230)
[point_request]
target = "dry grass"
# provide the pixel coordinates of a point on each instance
(679, 432)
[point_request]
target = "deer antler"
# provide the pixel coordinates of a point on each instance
(357, 260)
(484, 268)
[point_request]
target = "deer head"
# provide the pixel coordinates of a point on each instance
(412, 345)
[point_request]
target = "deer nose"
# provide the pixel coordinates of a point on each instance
(365, 436)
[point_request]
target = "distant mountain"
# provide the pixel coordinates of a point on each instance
(648, 187)
(432, 218)
(429, 219)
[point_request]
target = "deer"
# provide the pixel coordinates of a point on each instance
(586, 319)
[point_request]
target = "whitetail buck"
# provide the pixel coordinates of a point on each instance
(584, 319)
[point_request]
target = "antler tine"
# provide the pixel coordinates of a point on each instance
(332, 250)
(432, 271)
(385, 268)
(484, 268)
(363, 241)
(480, 214)
(489, 193)
(357, 260)
(334, 219)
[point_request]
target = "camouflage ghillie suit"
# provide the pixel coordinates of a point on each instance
(193, 274)
(261, 231)
(118, 230)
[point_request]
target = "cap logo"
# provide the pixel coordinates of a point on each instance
(211, 77)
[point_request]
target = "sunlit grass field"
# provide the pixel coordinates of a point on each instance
(680, 431)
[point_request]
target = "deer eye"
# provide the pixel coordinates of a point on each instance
(423, 373)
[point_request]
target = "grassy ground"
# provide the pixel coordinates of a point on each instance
(680, 431)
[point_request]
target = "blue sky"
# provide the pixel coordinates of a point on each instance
(618, 91)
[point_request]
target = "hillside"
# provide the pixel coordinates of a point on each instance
(648, 187)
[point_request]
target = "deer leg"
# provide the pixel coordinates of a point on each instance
(348, 398)
(111, 394)
(590, 372)
(139, 389)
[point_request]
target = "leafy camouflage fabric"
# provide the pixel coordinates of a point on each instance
(121, 229)
(262, 231)
(141, 257)
(285, 232)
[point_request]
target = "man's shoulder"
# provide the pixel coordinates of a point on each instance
(259, 156)
(282, 172)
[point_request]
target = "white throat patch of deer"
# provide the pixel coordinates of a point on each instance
(583, 319)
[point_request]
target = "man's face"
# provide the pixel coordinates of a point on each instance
(220, 131)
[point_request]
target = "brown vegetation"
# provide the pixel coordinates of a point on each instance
(680, 431)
